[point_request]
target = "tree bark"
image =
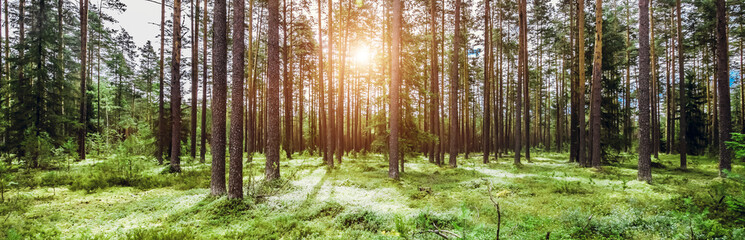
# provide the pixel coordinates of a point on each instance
(83, 74)
(176, 89)
(272, 94)
(287, 85)
(486, 136)
(581, 152)
(596, 85)
(725, 124)
(203, 145)
(644, 167)
(219, 95)
(683, 98)
(395, 90)
(161, 68)
(235, 177)
(453, 108)
(194, 75)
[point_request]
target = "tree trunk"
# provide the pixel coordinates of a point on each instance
(83, 61)
(683, 98)
(453, 108)
(581, 152)
(203, 145)
(725, 124)
(272, 101)
(520, 79)
(287, 85)
(486, 136)
(395, 90)
(235, 177)
(434, 88)
(330, 136)
(219, 95)
(322, 105)
(161, 68)
(176, 89)
(596, 85)
(644, 167)
(194, 75)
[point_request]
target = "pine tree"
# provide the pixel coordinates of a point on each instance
(235, 180)
(272, 95)
(645, 162)
(722, 76)
(219, 95)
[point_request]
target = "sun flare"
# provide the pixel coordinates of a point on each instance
(363, 55)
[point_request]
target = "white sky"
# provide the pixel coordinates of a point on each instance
(141, 20)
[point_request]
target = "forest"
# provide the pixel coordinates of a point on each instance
(355, 119)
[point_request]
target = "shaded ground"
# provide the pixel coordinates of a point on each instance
(357, 200)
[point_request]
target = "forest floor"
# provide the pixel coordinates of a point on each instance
(129, 198)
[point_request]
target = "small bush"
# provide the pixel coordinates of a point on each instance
(326, 209)
(565, 187)
(427, 220)
(160, 234)
(361, 220)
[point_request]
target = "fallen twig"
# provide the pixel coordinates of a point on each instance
(499, 213)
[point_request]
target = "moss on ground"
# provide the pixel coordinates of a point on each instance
(100, 199)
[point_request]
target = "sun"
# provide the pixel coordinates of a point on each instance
(362, 54)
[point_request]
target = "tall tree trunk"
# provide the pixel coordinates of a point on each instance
(645, 162)
(453, 108)
(434, 88)
(486, 136)
(203, 145)
(176, 89)
(235, 177)
(194, 75)
(161, 69)
(683, 98)
(287, 85)
(395, 89)
(330, 136)
(520, 79)
(272, 101)
(596, 85)
(219, 95)
(83, 61)
(581, 153)
(725, 124)
(322, 105)
(627, 96)
(526, 80)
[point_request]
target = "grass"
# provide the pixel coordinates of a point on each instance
(103, 199)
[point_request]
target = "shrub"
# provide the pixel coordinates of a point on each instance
(326, 209)
(361, 220)
(160, 234)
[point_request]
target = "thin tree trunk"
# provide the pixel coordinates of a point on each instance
(194, 75)
(203, 145)
(596, 85)
(161, 68)
(330, 127)
(581, 94)
(486, 136)
(725, 124)
(683, 98)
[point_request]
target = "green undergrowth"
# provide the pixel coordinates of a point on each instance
(117, 197)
